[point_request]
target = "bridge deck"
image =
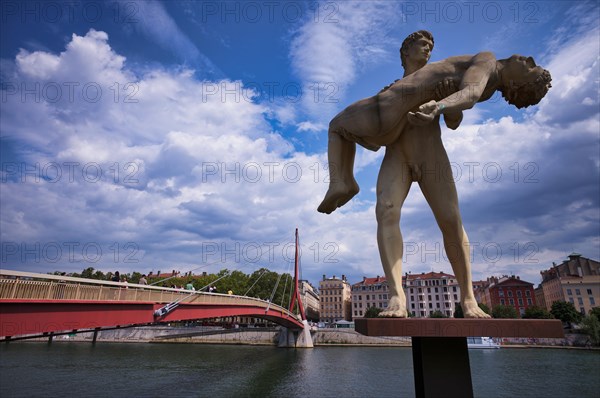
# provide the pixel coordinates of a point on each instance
(38, 303)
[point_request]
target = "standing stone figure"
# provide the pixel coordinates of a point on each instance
(414, 150)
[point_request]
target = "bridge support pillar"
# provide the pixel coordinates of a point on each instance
(295, 338)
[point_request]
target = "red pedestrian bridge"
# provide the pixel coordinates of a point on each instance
(36, 305)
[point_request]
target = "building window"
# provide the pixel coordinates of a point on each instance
(569, 292)
(592, 301)
(412, 305)
(510, 293)
(501, 293)
(529, 301)
(436, 290)
(520, 301)
(589, 291)
(519, 293)
(571, 300)
(455, 297)
(454, 288)
(580, 300)
(502, 301)
(578, 292)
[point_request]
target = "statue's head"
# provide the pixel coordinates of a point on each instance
(524, 83)
(413, 38)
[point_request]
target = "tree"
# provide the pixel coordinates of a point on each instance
(99, 275)
(504, 311)
(566, 312)
(237, 282)
(595, 311)
(535, 312)
(591, 327)
(458, 312)
(437, 314)
(372, 312)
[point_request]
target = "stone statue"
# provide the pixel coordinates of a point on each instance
(414, 150)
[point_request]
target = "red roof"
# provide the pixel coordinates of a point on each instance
(371, 281)
(430, 275)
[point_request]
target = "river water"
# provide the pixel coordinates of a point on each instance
(198, 370)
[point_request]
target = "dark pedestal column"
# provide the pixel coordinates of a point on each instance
(439, 346)
(441, 366)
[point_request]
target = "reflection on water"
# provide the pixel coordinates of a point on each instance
(195, 370)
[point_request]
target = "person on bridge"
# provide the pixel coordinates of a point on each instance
(143, 280)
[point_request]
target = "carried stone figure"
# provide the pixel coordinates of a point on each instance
(415, 148)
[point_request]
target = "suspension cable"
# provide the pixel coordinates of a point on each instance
(174, 304)
(273, 293)
(285, 289)
(257, 279)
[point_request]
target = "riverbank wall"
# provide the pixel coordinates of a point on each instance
(250, 336)
(269, 337)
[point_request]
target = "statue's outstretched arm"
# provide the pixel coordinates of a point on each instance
(444, 89)
(471, 88)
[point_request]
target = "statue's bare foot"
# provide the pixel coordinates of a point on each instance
(338, 195)
(396, 309)
(472, 310)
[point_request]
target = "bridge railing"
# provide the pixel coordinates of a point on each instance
(34, 286)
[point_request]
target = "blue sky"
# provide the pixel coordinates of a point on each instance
(188, 135)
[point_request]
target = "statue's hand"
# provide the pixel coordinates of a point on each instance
(445, 88)
(427, 112)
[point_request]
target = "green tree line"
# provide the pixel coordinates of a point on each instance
(260, 284)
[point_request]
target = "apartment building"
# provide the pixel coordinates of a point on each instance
(335, 298)
(430, 292)
(508, 290)
(310, 300)
(370, 292)
(576, 280)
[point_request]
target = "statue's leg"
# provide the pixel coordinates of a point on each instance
(393, 185)
(342, 185)
(438, 187)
